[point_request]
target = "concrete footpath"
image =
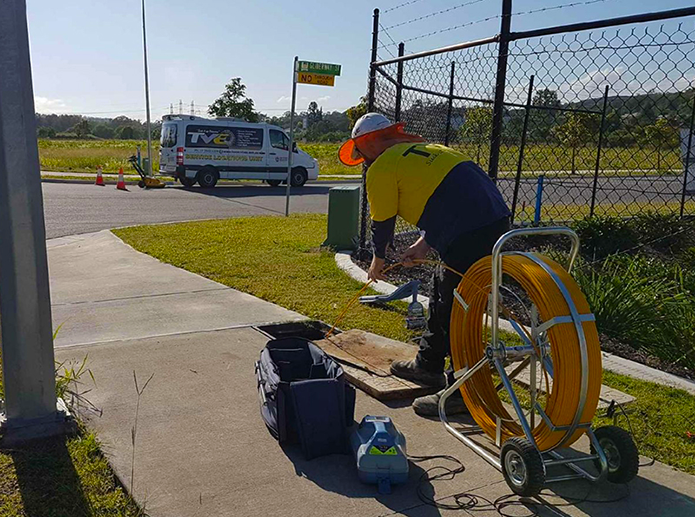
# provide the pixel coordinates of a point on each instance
(201, 448)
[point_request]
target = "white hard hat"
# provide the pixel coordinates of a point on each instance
(369, 123)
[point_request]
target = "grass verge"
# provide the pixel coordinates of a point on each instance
(280, 260)
(61, 477)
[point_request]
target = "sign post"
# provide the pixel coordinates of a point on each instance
(305, 72)
(27, 336)
(290, 149)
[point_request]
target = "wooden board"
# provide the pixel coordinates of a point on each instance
(366, 358)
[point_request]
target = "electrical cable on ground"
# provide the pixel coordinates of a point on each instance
(469, 501)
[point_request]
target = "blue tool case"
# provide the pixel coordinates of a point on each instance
(304, 396)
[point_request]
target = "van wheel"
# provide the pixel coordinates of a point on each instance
(274, 183)
(207, 177)
(187, 182)
(299, 177)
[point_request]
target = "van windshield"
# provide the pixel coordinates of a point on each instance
(169, 130)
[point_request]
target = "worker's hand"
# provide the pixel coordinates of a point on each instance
(417, 251)
(376, 268)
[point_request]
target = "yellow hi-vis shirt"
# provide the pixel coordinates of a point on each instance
(402, 179)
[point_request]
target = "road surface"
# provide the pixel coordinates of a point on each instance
(71, 208)
(76, 208)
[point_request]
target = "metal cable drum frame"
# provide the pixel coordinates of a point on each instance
(562, 344)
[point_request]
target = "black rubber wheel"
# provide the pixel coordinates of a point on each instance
(522, 467)
(207, 177)
(187, 182)
(141, 184)
(621, 453)
(274, 183)
(299, 177)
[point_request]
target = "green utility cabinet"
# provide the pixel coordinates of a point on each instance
(343, 217)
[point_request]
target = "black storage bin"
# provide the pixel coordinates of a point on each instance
(304, 396)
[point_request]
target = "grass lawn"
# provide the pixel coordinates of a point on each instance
(61, 477)
(280, 260)
(86, 155)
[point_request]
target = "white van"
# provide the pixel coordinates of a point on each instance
(196, 149)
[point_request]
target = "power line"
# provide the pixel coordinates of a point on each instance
(430, 15)
(400, 5)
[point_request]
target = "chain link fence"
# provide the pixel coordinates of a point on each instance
(575, 121)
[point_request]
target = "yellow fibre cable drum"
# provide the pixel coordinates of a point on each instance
(468, 347)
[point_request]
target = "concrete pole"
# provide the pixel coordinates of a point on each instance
(27, 336)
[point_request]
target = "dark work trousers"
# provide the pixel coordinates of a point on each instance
(460, 255)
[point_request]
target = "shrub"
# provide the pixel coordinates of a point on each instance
(642, 302)
(602, 236)
(665, 233)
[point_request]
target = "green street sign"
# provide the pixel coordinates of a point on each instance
(319, 68)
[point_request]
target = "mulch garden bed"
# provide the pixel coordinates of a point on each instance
(401, 275)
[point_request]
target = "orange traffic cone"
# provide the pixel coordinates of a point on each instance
(100, 178)
(121, 182)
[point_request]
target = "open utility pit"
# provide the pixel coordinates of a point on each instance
(365, 357)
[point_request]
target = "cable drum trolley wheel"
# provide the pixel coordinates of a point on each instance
(561, 346)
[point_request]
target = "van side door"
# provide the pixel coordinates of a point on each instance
(277, 151)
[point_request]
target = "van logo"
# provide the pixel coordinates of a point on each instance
(222, 138)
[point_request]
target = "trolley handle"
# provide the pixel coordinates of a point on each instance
(497, 264)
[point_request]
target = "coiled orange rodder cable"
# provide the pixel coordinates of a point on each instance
(468, 347)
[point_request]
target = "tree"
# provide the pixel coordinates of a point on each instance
(541, 120)
(125, 133)
(661, 136)
(477, 127)
(234, 103)
(103, 131)
(574, 131)
(81, 129)
(46, 132)
(354, 113)
(314, 113)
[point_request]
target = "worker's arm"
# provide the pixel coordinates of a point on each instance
(417, 251)
(382, 233)
(382, 193)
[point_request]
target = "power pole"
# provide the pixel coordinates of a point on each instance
(27, 335)
(180, 107)
(171, 108)
(192, 108)
(147, 93)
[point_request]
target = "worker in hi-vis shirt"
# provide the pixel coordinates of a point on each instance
(455, 204)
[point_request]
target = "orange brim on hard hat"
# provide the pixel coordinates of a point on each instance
(350, 156)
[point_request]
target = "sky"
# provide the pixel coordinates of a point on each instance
(87, 54)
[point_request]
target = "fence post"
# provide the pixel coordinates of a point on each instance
(539, 200)
(522, 146)
(686, 162)
(399, 80)
(501, 78)
(370, 107)
(598, 151)
(451, 104)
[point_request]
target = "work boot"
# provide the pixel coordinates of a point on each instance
(410, 370)
(429, 404)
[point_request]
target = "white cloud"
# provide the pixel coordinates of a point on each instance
(324, 98)
(46, 105)
(284, 98)
(625, 81)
